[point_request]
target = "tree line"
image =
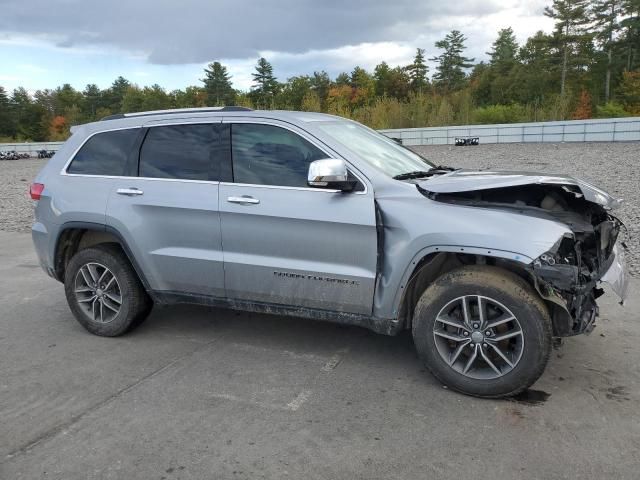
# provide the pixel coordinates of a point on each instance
(588, 66)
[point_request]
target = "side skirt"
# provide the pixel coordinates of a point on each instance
(383, 326)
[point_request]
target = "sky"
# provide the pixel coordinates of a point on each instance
(45, 43)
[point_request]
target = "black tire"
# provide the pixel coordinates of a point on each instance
(135, 302)
(511, 291)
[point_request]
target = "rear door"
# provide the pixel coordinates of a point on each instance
(286, 243)
(168, 214)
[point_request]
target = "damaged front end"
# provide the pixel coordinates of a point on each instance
(567, 275)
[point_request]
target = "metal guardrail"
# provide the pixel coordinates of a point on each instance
(599, 130)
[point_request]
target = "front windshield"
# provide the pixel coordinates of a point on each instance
(378, 150)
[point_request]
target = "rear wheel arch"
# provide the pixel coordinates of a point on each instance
(77, 236)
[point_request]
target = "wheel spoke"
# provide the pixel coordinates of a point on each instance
(87, 300)
(93, 309)
(83, 290)
(456, 353)
(87, 281)
(114, 298)
(449, 321)
(472, 359)
(499, 321)
(110, 282)
(101, 311)
(466, 312)
(106, 271)
(505, 336)
(482, 310)
(449, 336)
(113, 309)
(485, 357)
(502, 355)
(92, 272)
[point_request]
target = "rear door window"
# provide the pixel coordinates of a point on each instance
(184, 152)
(106, 153)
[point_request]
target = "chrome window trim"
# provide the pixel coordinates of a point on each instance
(282, 187)
(120, 177)
(309, 138)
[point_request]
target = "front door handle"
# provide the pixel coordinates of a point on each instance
(129, 191)
(245, 200)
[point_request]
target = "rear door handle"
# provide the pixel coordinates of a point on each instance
(245, 199)
(129, 191)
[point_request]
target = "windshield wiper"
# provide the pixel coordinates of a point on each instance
(423, 173)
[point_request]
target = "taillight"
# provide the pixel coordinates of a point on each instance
(36, 190)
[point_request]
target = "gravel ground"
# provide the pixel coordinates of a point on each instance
(16, 208)
(613, 166)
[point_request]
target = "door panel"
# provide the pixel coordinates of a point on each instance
(301, 247)
(173, 230)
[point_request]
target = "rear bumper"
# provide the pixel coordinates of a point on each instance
(40, 236)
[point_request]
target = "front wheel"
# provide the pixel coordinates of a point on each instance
(483, 331)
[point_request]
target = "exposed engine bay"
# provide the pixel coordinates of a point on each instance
(567, 275)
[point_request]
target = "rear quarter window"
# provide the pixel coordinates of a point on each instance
(105, 153)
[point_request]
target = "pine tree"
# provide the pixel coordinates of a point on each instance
(504, 51)
(606, 24)
(418, 71)
(217, 84)
(450, 73)
(6, 123)
(265, 85)
(321, 83)
(570, 17)
(631, 25)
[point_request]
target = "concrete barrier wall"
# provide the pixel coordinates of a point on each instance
(31, 148)
(598, 130)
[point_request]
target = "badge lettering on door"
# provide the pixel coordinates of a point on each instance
(320, 278)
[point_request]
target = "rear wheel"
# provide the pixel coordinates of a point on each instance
(483, 331)
(104, 292)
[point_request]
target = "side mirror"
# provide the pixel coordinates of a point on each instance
(330, 173)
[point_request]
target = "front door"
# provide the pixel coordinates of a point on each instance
(169, 215)
(288, 244)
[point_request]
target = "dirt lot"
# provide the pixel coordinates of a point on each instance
(199, 393)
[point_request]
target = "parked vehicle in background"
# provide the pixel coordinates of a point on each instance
(13, 155)
(320, 217)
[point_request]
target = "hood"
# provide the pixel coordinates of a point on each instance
(473, 180)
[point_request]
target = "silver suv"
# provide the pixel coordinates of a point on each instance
(316, 216)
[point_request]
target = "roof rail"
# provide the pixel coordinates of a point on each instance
(177, 110)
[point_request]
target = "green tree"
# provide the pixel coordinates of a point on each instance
(293, 92)
(217, 84)
(606, 25)
(418, 72)
(92, 98)
(7, 128)
(571, 17)
(115, 94)
(631, 25)
(504, 51)
(321, 83)
(450, 72)
(265, 85)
